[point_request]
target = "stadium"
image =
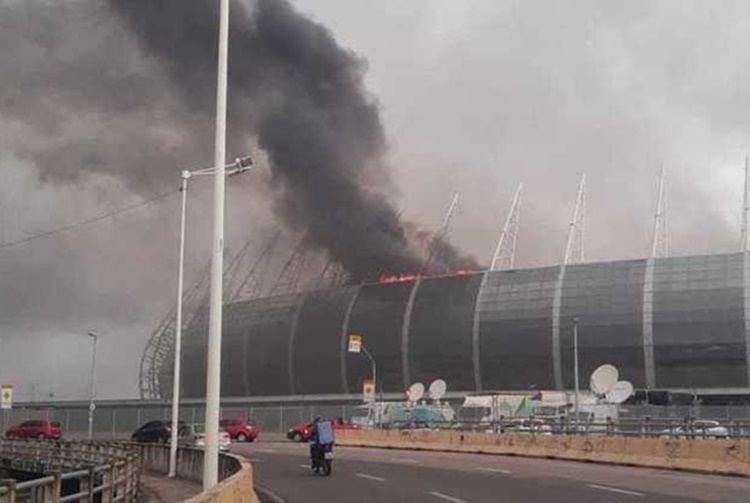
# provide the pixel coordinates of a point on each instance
(669, 324)
(666, 323)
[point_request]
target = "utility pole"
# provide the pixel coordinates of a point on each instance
(213, 367)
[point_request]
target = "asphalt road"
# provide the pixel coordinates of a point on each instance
(379, 475)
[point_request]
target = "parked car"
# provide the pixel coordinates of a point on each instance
(240, 430)
(46, 430)
(303, 432)
(532, 426)
(194, 435)
(699, 428)
(159, 432)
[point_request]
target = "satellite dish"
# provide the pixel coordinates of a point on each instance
(620, 392)
(415, 392)
(604, 379)
(437, 389)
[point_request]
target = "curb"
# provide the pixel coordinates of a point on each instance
(265, 495)
(479, 451)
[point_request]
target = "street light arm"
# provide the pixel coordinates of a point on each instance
(240, 165)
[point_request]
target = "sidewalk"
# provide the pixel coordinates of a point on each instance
(157, 488)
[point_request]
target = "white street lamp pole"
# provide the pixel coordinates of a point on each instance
(213, 370)
(240, 165)
(92, 391)
(178, 335)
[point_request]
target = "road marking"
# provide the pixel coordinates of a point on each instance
(446, 497)
(493, 470)
(370, 477)
(403, 460)
(616, 490)
(304, 466)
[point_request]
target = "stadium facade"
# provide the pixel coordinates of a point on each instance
(678, 323)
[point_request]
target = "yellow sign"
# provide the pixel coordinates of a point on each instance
(6, 396)
(355, 343)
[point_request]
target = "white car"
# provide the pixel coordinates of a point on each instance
(700, 428)
(195, 436)
(535, 426)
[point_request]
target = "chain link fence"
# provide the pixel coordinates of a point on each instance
(121, 420)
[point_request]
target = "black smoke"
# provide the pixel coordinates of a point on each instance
(302, 95)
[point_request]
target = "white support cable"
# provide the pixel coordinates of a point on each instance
(449, 216)
(660, 242)
(576, 232)
(582, 222)
(505, 251)
(440, 234)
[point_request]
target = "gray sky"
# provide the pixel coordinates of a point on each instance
(475, 96)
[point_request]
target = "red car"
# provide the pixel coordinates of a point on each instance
(43, 430)
(303, 432)
(239, 429)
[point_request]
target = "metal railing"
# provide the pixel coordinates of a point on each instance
(70, 471)
(121, 420)
(633, 427)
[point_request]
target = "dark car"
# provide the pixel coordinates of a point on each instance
(239, 429)
(159, 432)
(47, 430)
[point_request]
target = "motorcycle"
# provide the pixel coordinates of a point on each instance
(321, 457)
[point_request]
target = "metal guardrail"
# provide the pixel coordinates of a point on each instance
(71, 471)
(635, 427)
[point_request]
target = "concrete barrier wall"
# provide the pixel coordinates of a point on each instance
(701, 455)
(237, 488)
(235, 473)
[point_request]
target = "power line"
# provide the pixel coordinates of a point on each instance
(93, 220)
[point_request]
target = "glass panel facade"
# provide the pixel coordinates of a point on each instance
(233, 382)
(440, 334)
(698, 331)
(317, 344)
(515, 329)
(699, 337)
(193, 367)
(607, 299)
(378, 316)
(266, 324)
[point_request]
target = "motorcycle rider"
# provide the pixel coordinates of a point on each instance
(322, 442)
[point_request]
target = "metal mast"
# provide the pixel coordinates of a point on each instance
(251, 284)
(160, 346)
(440, 235)
(575, 249)
(660, 243)
(288, 279)
(505, 251)
(745, 244)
